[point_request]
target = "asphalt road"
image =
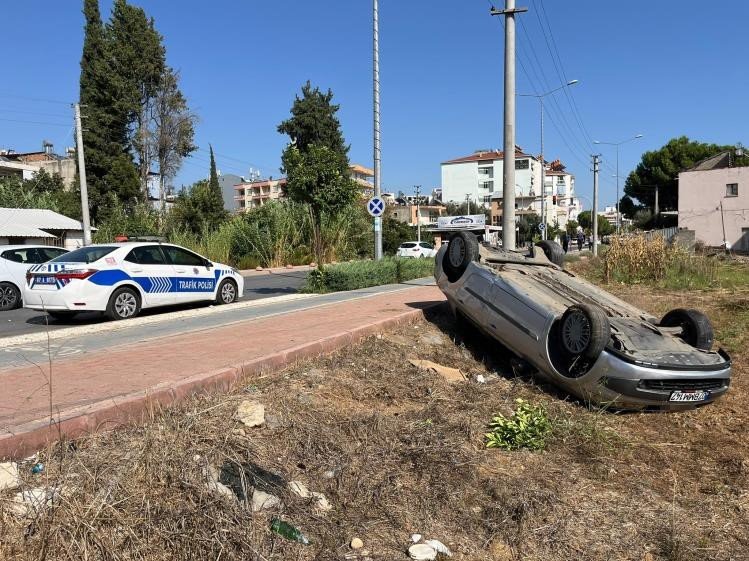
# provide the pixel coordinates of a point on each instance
(256, 287)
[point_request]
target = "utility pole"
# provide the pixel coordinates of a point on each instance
(468, 202)
(594, 212)
(376, 87)
(508, 179)
(418, 217)
(656, 210)
(82, 176)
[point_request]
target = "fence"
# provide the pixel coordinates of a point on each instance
(665, 233)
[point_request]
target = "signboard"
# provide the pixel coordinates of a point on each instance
(542, 226)
(467, 220)
(376, 207)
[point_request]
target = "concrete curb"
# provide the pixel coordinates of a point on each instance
(274, 270)
(138, 407)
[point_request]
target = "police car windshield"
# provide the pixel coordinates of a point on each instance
(85, 254)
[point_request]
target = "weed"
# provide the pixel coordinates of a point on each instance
(528, 427)
(362, 274)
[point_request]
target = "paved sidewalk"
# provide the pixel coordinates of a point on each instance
(120, 384)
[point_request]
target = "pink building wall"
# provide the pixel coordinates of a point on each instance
(700, 197)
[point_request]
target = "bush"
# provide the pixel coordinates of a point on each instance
(362, 274)
(528, 427)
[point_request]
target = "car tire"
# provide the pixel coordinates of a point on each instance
(10, 296)
(123, 304)
(584, 331)
(696, 329)
(227, 292)
(461, 251)
(61, 315)
(553, 252)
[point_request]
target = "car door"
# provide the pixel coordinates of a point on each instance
(151, 269)
(427, 249)
(194, 279)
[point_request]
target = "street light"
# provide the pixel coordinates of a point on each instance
(540, 98)
(617, 144)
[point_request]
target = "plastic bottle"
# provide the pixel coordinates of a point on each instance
(288, 531)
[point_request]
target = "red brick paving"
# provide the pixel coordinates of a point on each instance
(105, 388)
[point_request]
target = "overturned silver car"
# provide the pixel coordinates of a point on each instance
(581, 338)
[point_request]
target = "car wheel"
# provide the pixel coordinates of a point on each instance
(10, 296)
(584, 331)
(553, 252)
(61, 315)
(123, 304)
(461, 251)
(227, 292)
(696, 329)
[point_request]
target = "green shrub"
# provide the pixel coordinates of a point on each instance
(362, 274)
(528, 427)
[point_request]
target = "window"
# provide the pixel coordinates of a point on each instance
(487, 185)
(147, 255)
(85, 254)
(408, 245)
(32, 255)
(522, 164)
(732, 189)
(487, 172)
(487, 199)
(426, 245)
(179, 256)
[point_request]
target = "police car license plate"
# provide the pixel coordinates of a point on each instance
(689, 396)
(45, 280)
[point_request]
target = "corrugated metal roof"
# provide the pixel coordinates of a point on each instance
(29, 222)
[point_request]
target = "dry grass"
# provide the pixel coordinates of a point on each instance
(399, 450)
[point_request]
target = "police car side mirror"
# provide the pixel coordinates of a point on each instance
(207, 263)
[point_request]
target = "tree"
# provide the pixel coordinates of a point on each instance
(316, 160)
(320, 179)
(197, 209)
(44, 190)
(138, 61)
(604, 226)
(394, 233)
(528, 227)
(660, 169)
(458, 209)
(627, 207)
(313, 121)
(173, 129)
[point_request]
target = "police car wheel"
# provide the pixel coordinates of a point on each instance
(123, 304)
(227, 293)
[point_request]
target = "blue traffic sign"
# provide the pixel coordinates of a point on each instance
(376, 206)
(542, 226)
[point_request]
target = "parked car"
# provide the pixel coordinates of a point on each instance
(578, 336)
(416, 249)
(15, 260)
(120, 279)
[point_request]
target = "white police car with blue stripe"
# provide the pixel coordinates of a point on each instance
(120, 279)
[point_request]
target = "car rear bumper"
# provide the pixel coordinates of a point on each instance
(67, 298)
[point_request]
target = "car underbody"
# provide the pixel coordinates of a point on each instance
(540, 312)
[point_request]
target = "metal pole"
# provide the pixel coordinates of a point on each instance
(617, 189)
(543, 174)
(376, 85)
(82, 176)
(594, 211)
(418, 216)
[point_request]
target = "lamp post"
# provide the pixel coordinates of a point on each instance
(617, 144)
(540, 98)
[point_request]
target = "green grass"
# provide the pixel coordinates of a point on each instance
(362, 274)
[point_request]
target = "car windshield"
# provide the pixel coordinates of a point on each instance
(85, 254)
(408, 245)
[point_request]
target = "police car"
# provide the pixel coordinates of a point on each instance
(120, 279)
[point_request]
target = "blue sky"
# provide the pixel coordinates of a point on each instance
(661, 69)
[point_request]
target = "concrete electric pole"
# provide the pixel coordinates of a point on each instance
(418, 217)
(376, 87)
(594, 210)
(82, 176)
(508, 180)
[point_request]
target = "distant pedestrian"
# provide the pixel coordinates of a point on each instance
(565, 241)
(580, 240)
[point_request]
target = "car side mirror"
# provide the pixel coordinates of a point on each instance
(207, 263)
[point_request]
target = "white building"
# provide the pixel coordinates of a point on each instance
(21, 226)
(479, 176)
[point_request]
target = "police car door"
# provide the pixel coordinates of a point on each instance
(195, 280)
(149, 267)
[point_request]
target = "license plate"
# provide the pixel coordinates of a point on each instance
(44, 280)
(689, 396)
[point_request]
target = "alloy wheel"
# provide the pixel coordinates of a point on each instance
(125, 304)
